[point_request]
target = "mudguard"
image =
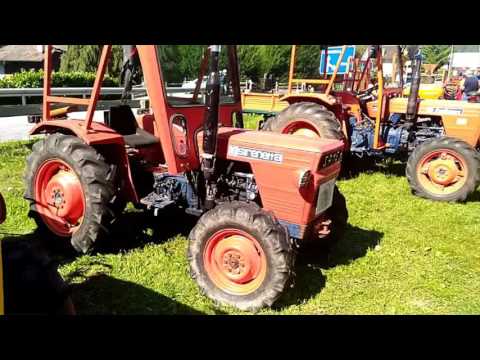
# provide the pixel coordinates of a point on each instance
(98, 134)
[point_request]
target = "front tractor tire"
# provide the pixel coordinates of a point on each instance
(444, 169)
(70, 188)
(307, 119)
(240, 256)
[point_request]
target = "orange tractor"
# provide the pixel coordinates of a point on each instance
(439, 139)
(256, 195)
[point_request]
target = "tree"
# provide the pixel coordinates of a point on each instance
(250, 59)
(308, 61)
(436, 54)
(86, 58)
(169, 57)
(274, 59)
(360, 50)
(190, 57)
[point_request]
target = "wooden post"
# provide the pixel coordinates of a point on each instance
(292, 67)
(378, 118)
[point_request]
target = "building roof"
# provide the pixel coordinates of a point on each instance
(466, 60)
(24, 52)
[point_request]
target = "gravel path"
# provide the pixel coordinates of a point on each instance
(17, 127)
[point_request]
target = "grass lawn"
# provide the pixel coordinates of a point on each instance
(400, 255)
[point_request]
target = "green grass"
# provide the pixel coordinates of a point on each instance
(401, 255)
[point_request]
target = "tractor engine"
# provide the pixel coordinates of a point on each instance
(394, 134)
(181, 191)
(399, 136)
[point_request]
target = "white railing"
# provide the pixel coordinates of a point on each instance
(84, 92)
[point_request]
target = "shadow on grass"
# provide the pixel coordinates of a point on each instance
(354, 166)
(309, 277)
(136, 229)
(102, 294)
(99, 293)
(354, 245)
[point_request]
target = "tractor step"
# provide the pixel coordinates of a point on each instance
(155, 201)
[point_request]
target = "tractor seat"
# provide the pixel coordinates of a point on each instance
(141, 138)
(122, 120)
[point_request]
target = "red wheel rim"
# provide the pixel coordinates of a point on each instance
(60, 200)
(301, 127)
(442, 172)
(235, 261)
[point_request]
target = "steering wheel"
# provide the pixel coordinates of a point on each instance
(364, 94)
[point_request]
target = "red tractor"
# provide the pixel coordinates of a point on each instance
(256, 195)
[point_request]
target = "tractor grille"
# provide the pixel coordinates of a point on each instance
(325, 196)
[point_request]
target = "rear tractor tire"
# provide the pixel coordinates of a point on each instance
(444, 169)
(308, 119)
(71, 190)
(241, 256)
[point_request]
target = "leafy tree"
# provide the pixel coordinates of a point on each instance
(308, 61)
(190, 57)
(436, 54)
(169, 57)
(86, 58)
(250, 59)
(360, 50)
(274, 59)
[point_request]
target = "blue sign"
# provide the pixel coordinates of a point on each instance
(332, 59)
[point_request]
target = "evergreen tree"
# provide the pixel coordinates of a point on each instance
(250, 59)
(190, 58)
(274, 60)
(87, 57)
(308, 61)
(436, 54)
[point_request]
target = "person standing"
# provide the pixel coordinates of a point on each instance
(469, 84)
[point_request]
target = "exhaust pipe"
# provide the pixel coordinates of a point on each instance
(131, 63)
(210, 126)
(414, 87)
(400, 66)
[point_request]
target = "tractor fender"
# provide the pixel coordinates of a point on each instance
(330, 102)
(322, 99)
(104, 139)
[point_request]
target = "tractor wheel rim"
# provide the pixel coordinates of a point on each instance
(442, 172)
(59, 197)
(235, 262)
(301, 127)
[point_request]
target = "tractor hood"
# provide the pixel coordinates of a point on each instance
(229, 138)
